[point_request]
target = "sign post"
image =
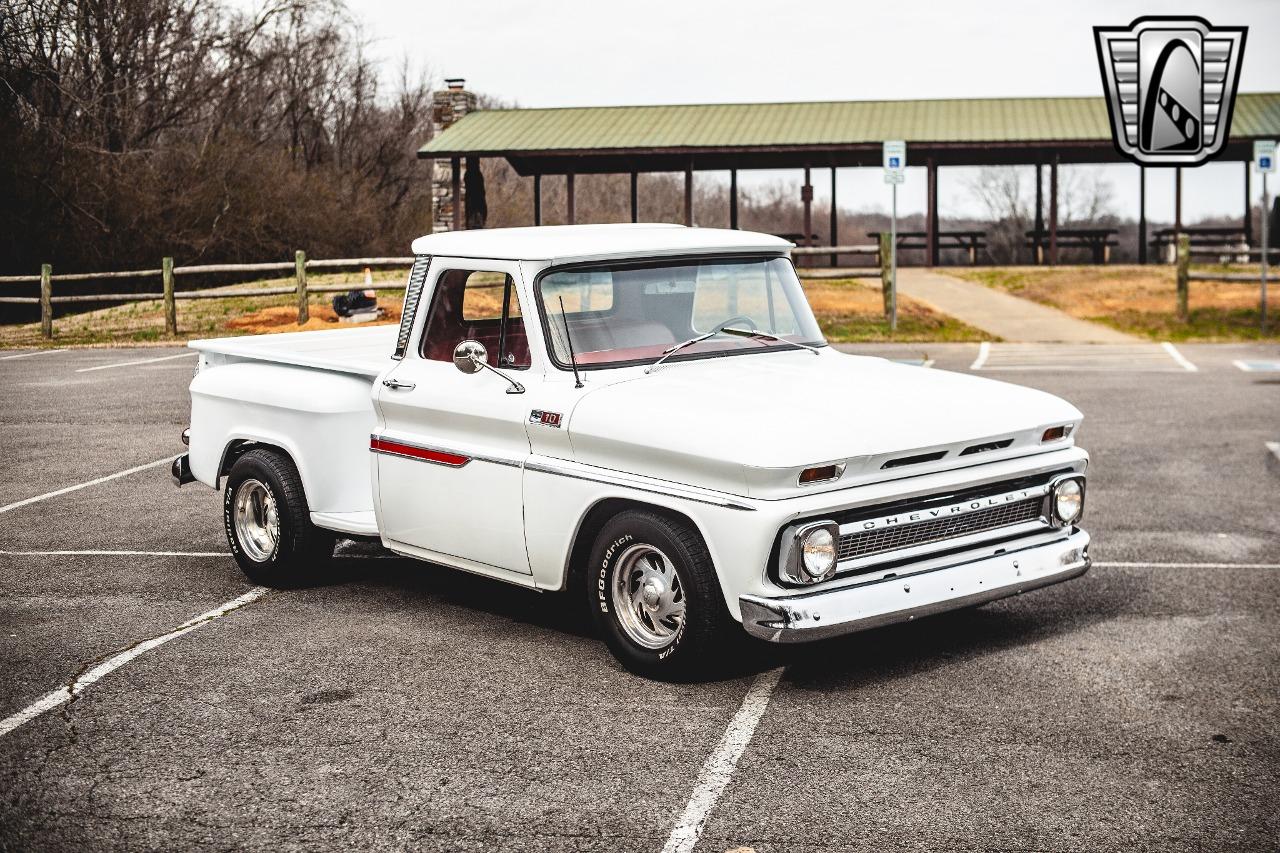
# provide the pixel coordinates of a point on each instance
(1264, 160)
(895, 164)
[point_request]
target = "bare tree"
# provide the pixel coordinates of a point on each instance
(999, 189)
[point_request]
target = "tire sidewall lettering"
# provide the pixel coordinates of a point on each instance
(602, 580)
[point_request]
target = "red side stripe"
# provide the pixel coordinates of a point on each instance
(439, 457)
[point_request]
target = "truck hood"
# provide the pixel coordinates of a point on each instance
(748, 424)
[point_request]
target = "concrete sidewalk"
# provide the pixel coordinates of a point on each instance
(1000, 314)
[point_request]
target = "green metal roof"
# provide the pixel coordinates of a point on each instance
(695, 126)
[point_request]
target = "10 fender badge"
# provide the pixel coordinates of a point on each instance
(551, 419)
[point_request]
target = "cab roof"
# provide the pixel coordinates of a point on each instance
(568, 243)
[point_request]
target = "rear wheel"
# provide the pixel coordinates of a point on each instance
(268, 522)
(654, 596)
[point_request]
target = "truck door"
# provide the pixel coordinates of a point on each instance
(452, 445)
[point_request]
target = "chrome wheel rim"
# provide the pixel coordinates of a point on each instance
(648, 597)
(257, 520)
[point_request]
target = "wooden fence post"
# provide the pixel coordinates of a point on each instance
(170, 304)
(886, 263)
(300, 274)
(46, 300)
(1184, 262)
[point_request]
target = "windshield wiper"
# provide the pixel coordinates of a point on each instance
(725, 330)
(667, 353)
(756, 333)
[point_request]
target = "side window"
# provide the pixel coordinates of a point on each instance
(480, 306)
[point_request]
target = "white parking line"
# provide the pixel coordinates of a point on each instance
(1179, 357)
(115, 553)
(1274, 447)
(984, 350)
(1147, 565)
(167, 460)
(77, 685)
(139, 361)
(29, 354)
(719, 767)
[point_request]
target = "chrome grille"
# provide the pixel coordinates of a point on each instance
(868, 543)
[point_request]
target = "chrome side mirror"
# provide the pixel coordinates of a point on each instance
(470, 356)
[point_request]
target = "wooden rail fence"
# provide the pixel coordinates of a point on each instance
(167, 273)
(1186, 276)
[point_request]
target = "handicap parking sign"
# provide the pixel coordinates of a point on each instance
(1264, 155)
(894, 163)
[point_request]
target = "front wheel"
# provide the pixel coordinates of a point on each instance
(654, 596)
(268, 522)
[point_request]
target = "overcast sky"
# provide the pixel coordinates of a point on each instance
(595, 52)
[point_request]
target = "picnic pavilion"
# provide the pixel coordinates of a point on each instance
(561, 143)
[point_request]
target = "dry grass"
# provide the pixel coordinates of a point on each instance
(1140, 300)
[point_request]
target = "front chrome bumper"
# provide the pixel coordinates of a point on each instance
(907, 595)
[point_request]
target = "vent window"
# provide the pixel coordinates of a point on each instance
(412, 295)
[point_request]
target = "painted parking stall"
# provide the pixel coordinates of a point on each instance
(484, 707)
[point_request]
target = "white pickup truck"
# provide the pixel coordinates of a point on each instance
(648, 417)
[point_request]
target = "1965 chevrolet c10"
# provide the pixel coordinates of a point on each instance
(648, 417)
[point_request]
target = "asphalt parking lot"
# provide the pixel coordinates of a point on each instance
(403, 706)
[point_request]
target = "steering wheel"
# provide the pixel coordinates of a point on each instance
(751, 324)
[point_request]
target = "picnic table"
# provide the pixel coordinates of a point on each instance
(1165, 241)
(967, 240)
(1099, 241)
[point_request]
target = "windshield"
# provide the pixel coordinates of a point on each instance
(620, 314)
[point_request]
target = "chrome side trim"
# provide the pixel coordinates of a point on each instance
(651, 487)
(471, 457)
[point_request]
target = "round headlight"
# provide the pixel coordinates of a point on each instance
(1068, 501)
(818, 553)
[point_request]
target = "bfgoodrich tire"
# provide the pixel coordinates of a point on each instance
(268, 522)
(654, 597)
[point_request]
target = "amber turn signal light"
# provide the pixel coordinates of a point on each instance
(1055, 433)
(820, 474)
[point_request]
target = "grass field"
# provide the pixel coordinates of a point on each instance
(848, 310)
(1140, 300)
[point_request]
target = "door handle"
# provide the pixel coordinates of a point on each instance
(399, 386)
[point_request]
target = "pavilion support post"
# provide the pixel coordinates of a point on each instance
(1053, 212)
(635, 198)
(733, 199)
(1037, 244)
(571, 213)
(1248, 205)
(537, 199)
(835, 224)
(931, 216)
(455, 190)
(688, 196)
(806, 198)
(1142, 214)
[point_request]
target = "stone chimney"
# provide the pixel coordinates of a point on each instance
(447, 106)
